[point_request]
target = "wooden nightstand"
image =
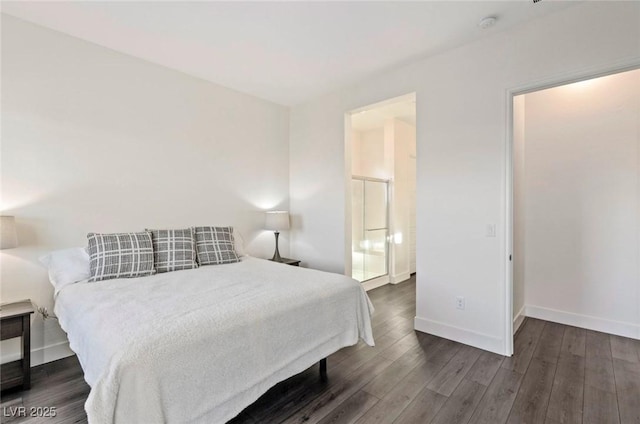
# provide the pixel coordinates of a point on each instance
(288, 261)
(15, 321)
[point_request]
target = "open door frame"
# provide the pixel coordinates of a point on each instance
(348, 260)
(558, 80)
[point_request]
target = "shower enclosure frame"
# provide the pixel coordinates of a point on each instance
(387, 243)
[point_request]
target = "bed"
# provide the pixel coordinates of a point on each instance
(200, 345)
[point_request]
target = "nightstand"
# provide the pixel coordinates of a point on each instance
(288, 261)
(15, 321)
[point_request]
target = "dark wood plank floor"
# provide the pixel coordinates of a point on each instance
(559, 374)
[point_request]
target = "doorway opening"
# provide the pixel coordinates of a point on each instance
(380, 142)
(575, 167)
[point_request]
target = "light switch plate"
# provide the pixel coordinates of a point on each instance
(491, 230)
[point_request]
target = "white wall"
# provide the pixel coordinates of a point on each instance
(94, 140)
(404, 140)
(368, 158)
(412, 211)
(461, 144)
(581, 181)
(411, 175)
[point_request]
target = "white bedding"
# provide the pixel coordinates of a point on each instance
(200, 345)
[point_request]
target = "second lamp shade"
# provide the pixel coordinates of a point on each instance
(277, 220)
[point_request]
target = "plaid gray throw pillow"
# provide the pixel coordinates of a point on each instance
(215, 245)
(173, 250)
(120, 255)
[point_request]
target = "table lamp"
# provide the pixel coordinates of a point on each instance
(277, 221)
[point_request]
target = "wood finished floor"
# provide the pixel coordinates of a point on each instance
(559, 374)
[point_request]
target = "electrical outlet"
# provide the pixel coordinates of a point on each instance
(460, 302)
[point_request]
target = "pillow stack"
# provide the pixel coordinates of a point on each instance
(128, 255)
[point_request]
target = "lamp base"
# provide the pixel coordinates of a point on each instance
(276, 254)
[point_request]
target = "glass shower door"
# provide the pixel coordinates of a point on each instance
(369, 228)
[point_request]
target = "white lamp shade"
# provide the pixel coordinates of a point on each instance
(277, 220)
(8, 234)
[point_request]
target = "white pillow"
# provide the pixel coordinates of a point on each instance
(66, 266)
(238, 243)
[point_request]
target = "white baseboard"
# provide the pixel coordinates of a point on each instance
(42, 355)
(519, 319)
(50, 353)
(376, 282)
(618, 328)
(400, 278)
(462, 335)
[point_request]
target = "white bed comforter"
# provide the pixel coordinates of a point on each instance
(201, 345)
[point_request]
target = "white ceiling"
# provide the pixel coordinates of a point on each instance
(286, 52)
